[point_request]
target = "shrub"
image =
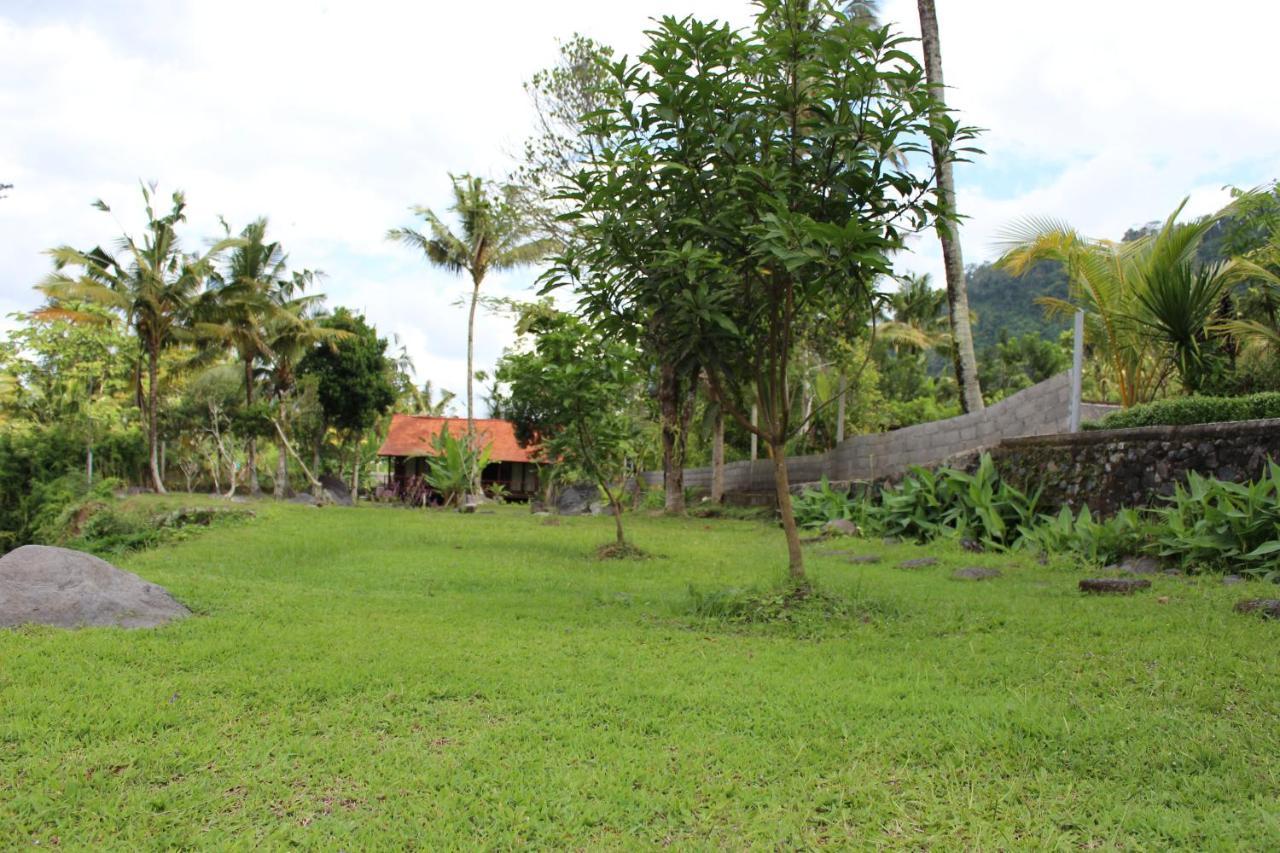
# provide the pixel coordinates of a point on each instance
(981, 506)
(1097, 541)
(816, 507)
(1217, 525)
(1182, 411)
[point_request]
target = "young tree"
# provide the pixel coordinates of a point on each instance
(773, 162)
(966, 362)
(493, 237)
(353, 377)
(574, 394)
(152, 285)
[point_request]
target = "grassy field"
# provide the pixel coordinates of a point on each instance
(381, 678)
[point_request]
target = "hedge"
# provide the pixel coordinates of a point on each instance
(1180, 411)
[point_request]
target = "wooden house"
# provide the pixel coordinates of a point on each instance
(411, 441)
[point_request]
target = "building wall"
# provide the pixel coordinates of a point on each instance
(1042, 409)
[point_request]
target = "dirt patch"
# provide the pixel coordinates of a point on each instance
(620, 551)
(1114, 586)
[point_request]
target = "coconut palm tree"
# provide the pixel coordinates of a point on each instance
(150, 282)
(240, 309)
(966, 362)
(493, 237)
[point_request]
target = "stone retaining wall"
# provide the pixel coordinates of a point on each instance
(1108, 469)
(1039, 410)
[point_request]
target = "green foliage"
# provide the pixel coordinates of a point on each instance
(816, 507)
(455, 465)
(1221, 526)
(1006, 305)
(804, 609)
(947, 501)
(354, 375)
(1179, 411)
(1012, 364)
(1095, 541)
(575, 396)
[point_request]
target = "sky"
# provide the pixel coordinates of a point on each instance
(332, 118)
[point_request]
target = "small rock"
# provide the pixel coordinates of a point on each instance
(920, 563)
(1173, 573)
(972, 545)
(976, 573)
(864, 559)
(892, 540)
(1164, 599)
(1232, 580)
(1139, 565)
(841, 527)
(1117, 586)
(1268, 608)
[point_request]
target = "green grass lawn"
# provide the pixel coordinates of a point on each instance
(381, 678)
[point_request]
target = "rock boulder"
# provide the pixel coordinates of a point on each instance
(70, 589)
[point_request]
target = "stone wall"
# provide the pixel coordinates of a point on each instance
(1039, 410)
(1108, 469)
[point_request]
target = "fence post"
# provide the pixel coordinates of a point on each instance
(1077, 371)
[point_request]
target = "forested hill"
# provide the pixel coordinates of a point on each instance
(999, 301)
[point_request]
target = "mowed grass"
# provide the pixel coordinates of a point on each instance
(383, 678)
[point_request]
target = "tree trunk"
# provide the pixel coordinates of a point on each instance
(717, 460)
(966, 363)
(783, 487)
(88, 463)
(153, 422)
(251, 443)
(672, 439)
(281, 490)
(471, 414)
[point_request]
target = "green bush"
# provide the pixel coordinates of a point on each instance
(1092, 540)
(814, 508)
(1181, 411)
(1223, 526)
(980, 506)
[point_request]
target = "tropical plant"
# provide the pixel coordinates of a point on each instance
(151, 283)
(815, 508)
(493, 237)
(454, 466)
(1224, 526)
(1148, 303)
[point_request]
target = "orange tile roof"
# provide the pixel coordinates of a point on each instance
(412, 435)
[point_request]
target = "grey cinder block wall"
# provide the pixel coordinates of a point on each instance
(1042, 409)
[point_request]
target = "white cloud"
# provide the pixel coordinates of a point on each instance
(332, 118)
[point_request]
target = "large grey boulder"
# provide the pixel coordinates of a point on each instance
(335, 491)
(43, 585)
(577, 500)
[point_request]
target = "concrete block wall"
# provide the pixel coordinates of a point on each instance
(1042, 409)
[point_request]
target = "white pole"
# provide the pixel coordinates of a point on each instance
(755, 414)
(1077, 370)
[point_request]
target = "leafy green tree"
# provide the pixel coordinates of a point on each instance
(756, 179)
(353, 379)
(1016, 363)
(150, 283)
(573, 394)
(493, 236)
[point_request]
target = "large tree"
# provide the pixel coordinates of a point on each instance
(962, 352)
(770, 165)
(493, 236)
(353, 376)
(150, 282)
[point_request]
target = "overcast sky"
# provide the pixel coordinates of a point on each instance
(332, 118)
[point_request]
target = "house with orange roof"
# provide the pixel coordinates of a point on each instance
(411, 441)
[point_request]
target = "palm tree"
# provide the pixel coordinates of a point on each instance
(966, 362)
(493, 237)
(151, 283)
(1148, 304)
(915, 315)
(240, 309)
(293, 330)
